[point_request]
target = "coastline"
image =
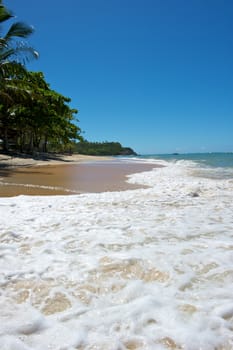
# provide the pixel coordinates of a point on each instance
(136, 269)
(46, 159)
(66, 175)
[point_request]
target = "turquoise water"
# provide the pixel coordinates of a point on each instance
(211, 165)
(223, 160)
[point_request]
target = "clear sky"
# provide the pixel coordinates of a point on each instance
(155, 75)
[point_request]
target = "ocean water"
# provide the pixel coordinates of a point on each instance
(214, 160)
(217, 165)
(142, 269)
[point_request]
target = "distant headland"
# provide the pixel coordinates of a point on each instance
(103, 149)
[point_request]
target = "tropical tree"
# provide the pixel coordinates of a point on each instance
(32, 115)
(14, 47)
(14, 53)
(43, 120)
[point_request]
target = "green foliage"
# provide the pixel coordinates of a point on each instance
(13, 44)
(102, 149)
(32, 116)
(41, 120)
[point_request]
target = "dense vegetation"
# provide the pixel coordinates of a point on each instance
(102, 148)
(32, 116)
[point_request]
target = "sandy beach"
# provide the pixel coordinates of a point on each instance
(46, 159)
(62, 175)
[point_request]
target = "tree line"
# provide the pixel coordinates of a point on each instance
(102, 148)
(33, 117)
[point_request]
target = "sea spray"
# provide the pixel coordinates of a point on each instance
(140, 269)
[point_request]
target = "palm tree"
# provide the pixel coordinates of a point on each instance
(11, 48)
(14, 53)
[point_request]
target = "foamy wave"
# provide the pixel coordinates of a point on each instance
(142, 269)
(44, 187)
(143, 160)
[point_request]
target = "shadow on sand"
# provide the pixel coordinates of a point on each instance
(7, 169)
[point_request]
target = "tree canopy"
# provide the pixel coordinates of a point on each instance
(33, 117)
(102, 148)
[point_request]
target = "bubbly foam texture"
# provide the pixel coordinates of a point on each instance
(56, 188)
(141, 269)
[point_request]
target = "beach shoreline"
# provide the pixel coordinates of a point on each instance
(24, 160)
(66, 175)
(147, 268)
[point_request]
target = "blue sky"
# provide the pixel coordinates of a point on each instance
(155, 75)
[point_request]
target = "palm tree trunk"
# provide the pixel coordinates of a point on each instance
(5, 139)
(45, 143)
(31, 143)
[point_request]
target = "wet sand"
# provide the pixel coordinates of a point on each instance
(99, 176)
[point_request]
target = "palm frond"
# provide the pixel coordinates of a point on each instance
(3, 44)
(19, 29)
(24, 53)
(5, 14)
(6, 54)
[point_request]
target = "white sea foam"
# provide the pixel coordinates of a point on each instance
(43, 187)
(141, 269)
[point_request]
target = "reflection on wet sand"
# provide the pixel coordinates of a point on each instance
(69, 179)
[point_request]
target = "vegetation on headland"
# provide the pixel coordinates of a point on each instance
(33, 117)
(102, 148)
